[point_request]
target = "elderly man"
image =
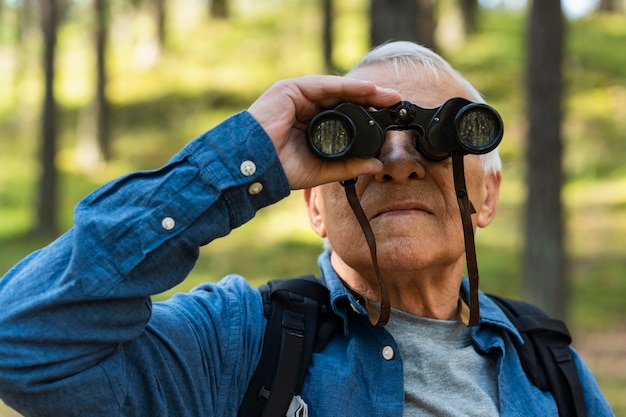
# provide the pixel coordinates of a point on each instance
(80, 337)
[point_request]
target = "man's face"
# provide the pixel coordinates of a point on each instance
(411, 205)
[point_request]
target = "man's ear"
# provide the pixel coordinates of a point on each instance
(315, 211)
(487, 210)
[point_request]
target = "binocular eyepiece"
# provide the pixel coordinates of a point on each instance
(458, 125)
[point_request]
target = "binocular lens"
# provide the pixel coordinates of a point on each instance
(478, 128)
(458, 125)
(331, 136)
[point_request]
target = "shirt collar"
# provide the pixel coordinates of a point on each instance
(342, 299)
(490, 315)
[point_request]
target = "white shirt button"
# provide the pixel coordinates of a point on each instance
(388, 353)
(247, 168)
(168, 223)
(255, 188)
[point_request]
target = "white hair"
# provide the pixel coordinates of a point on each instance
(402, 54)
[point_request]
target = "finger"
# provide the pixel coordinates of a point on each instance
(354, 167)
(343, 170)
(329, 90)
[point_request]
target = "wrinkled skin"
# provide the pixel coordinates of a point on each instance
(412, 208)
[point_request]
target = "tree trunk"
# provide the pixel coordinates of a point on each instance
(408, 20)
(469, 14)
(327, 35)
(392, 20)
(219, 9)
(544, 261)
(101, 102)
(608, 6)
(426, 23)
(161, 22)
(46, 206)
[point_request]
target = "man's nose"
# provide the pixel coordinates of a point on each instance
(401, 160)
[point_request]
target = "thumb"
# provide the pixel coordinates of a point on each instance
(351, 168)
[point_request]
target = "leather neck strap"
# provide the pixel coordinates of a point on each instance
(467, 209)
(380, 317)
(377, 317)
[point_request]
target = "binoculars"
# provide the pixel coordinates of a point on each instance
(458, 125)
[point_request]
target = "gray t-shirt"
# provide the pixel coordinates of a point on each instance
(443, 374)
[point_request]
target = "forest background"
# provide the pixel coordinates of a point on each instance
(209, 68)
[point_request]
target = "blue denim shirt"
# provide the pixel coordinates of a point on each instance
(79, 335)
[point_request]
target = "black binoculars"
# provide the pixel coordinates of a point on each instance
(458, 125)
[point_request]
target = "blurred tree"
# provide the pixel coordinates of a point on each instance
(101, 34)
(46, 205)
(609, 6)
(93, 145)
(544, 261)
(410, 20)
(161, 19)
(426, 23)
(469, 14)
(327, 35)
(219, 9)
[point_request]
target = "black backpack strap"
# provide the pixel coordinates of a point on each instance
(300, 322)
(545, 355)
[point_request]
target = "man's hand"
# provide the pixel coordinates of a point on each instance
(285, 110)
